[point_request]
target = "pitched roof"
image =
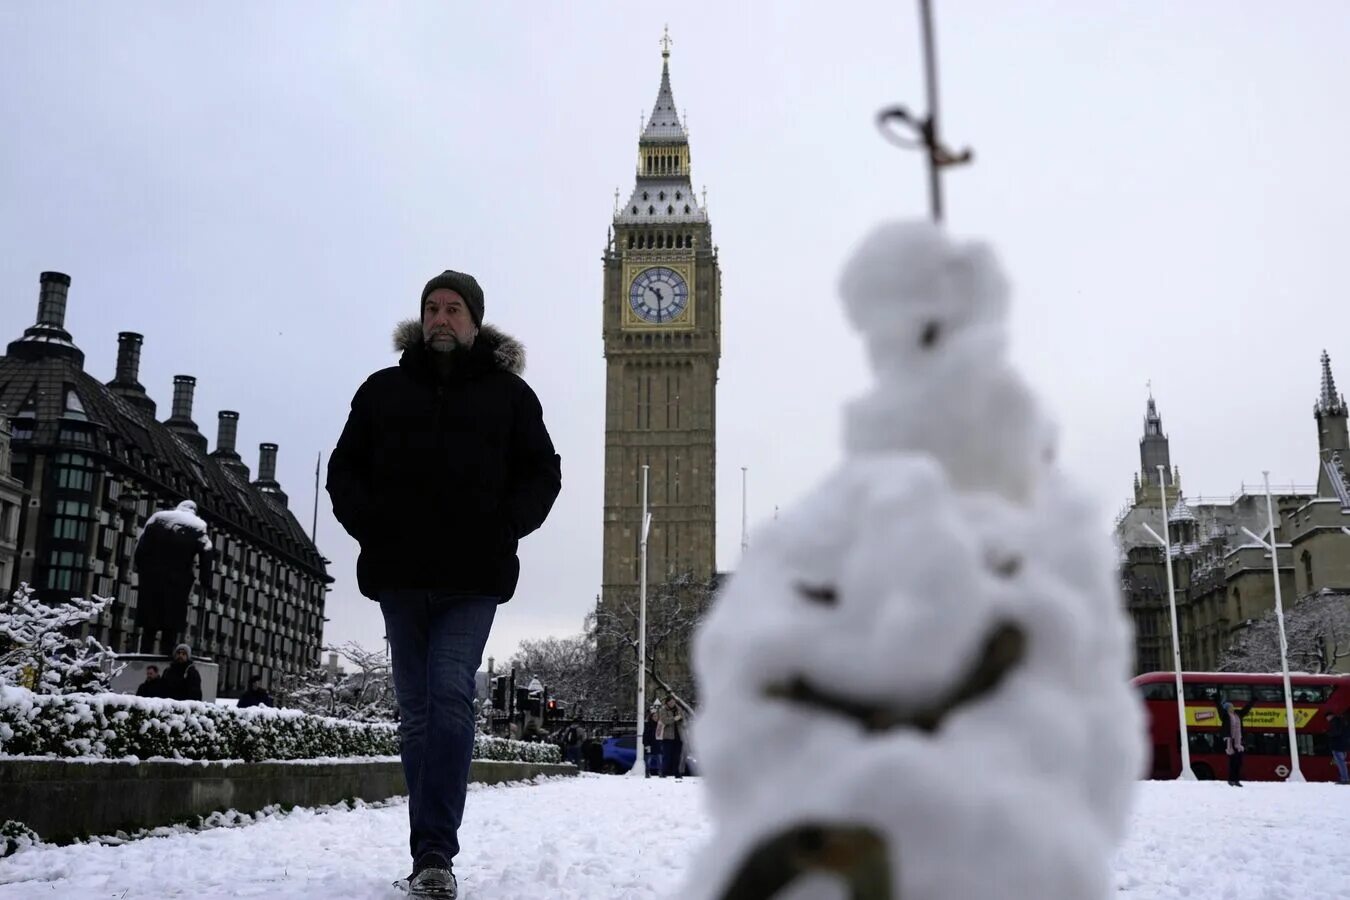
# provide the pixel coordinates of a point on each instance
(65, 408)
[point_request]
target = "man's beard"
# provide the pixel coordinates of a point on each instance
(444, 342)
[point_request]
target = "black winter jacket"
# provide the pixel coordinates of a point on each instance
(438, 477)
(180, 681)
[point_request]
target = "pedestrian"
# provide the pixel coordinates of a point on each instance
(1338, 735)
(150, 687)
(172, 541)
(443, 466)
(1232, 736)
(670, 737)
(256, 695)
(181, 681)
(651, 755)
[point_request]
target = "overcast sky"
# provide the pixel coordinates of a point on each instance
(262, 190)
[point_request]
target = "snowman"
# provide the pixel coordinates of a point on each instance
(916, 685)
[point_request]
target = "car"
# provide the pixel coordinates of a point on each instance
(620, 752)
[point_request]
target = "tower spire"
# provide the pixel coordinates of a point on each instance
(664, 124)
(1330, 401)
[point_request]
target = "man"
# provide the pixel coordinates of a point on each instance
(150, 687)
(1338, 736)
(170, 544)
(181, 681)
(255, 695)
(670, 738)
(443, 466)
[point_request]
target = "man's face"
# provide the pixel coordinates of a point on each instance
(151, 673)
(180, 656)
(447, 323)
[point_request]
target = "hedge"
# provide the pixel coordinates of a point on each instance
(121, 726)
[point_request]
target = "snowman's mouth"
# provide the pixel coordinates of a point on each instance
(1003, 649)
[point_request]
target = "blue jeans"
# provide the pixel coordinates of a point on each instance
(1339, 757)
(437, 643)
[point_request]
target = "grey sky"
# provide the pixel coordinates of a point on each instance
(262, 189)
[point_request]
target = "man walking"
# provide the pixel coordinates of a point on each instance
(443, 466)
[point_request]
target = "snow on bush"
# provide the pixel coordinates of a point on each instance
(121, 726)
(37, 652)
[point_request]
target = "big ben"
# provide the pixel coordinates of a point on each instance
(662, 288)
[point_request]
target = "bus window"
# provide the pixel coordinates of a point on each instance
(1266, 743)
(1270, 693)
(1311, 693)
(1237, 693)
(1203, 742)
(1163, 690)
(1194, 690)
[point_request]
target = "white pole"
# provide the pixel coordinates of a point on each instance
(745, 529)
(1295, 773)
(1186, 773)
(639, 761)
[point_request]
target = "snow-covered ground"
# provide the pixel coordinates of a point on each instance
(599, 837)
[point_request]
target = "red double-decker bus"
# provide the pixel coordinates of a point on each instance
(1265, 730)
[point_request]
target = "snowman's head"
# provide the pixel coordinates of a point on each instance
(913, 293)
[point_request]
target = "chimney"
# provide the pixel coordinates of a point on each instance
(227, 433)
(267, 463)
(52, 300)
(127, 384)
(128, 358)
(227, 429)
(48, 336)
(180, 422)
(267, 473)
(184, 386)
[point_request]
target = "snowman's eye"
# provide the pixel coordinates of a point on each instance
(930, 334)
(822, 594)
(1006, 566)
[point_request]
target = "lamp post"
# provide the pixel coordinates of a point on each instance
(1295, 773)
(1165, 540)
(639, 769)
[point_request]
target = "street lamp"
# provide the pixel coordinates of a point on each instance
(1186, 773)
(639, 769)
(1295, 773)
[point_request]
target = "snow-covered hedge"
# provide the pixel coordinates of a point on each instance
(118, 726)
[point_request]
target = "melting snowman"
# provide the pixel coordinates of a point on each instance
(917, 684)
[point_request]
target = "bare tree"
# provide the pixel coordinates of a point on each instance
(566, 666)
(38, 649)
(365, 695)
(674, 610)
(1317, 629)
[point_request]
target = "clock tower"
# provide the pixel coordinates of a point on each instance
(662, 324)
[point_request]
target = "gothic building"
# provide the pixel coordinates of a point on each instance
(662, 344)
(1222, 577)
(90, 462)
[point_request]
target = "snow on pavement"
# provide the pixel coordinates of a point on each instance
(600, 837)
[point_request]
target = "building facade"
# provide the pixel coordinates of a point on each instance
(662, 345)
(92, 462)
(11, 502)
(1222, 577)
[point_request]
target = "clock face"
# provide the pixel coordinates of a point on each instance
(659, 295)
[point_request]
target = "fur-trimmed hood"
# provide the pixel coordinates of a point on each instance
(508, 354)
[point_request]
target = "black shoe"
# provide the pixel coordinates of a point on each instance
(432, 878)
